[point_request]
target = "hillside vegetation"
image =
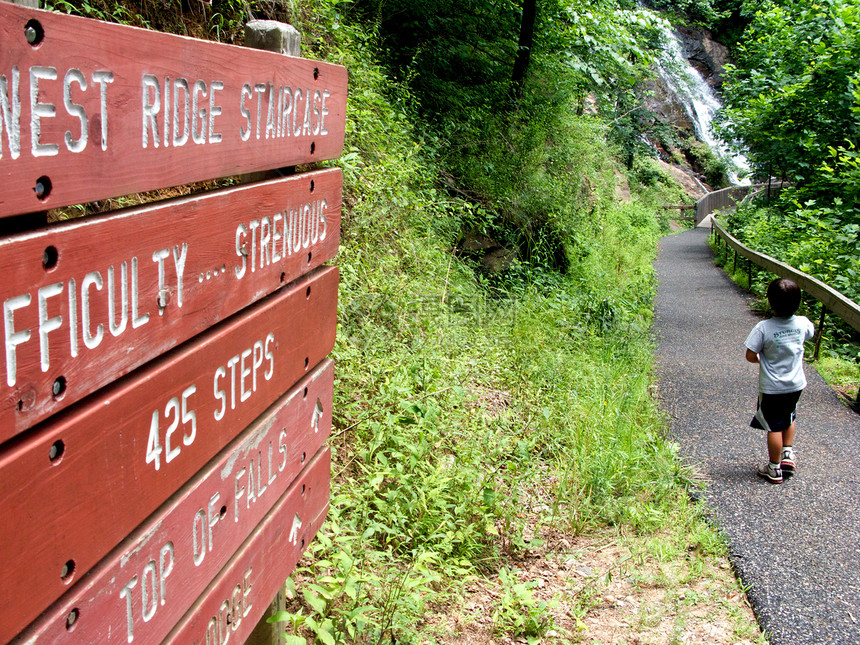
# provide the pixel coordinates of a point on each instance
(492, 416)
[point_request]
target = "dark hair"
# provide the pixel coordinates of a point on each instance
(784, 297)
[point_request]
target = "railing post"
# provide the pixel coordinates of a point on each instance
(820, 333)
(749, 275)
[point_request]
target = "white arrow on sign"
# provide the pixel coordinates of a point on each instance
(315, 420)
(294, 531)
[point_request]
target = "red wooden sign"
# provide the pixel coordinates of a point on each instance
(91, 110)
(241, 593)
(77, 296)
(140, 591)
(79, 484)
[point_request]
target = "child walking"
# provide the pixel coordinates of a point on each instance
(777, 345)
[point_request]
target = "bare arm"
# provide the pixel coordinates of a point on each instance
(752, 357)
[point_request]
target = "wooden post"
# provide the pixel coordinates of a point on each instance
(285, 39)
(820, 333)
(268, 633)
(749, 275)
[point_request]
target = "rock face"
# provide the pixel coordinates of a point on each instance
(684, 106)
(492, 256)
(666, 107)
(704, 53)
(686, 179)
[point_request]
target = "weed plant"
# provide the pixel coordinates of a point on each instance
(474, 412)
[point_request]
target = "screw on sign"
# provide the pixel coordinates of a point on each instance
(212, 387)
(77, 295)
(100, 110)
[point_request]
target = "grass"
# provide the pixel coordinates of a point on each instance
(480, 420)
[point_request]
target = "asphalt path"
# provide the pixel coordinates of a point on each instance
(796, 545)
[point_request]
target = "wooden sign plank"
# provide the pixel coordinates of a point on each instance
(92, 110)
(77, 485)
(238, 598)
(78, 295)
(140, 591)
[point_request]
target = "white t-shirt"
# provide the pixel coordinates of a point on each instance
(779, 345)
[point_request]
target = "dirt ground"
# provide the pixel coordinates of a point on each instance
(606, 589)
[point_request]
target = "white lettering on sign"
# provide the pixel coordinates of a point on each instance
(202, 527)
(189, 115)
(274, 238)
(10, 114)
(38, 111)
(179, 256)
(288, 112)
(174, 111)
(76, 110)
(317, 416)
(47, 324)
(121, 296)
(249, 362)
(179, 410)
(252, 480)
(90, 340)
(117, 328)
(15, 338)
(42, 82)
(153, 588)
(230, 613)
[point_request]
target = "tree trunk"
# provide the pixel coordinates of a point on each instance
(524, 51)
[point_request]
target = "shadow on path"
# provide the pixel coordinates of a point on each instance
(797, 544)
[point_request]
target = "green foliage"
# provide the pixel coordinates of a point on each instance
(703, 12)
(794, 94)
(814, 240)
(221, 20)
(519, 613)
(456, 395)
(794, 101)
(714, 168)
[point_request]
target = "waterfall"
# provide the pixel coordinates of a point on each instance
(697, 99)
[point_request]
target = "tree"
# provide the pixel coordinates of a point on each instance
(793, 97)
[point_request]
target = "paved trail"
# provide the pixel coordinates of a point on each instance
(797, 544)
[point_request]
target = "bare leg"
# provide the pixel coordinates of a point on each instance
(774, 444)
(788, 436)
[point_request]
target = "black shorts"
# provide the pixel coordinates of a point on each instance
(775, 412)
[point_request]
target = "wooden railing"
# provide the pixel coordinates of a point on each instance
(844, 307)
(722, 199)
(830, 299)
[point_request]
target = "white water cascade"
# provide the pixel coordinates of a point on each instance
(698, 100)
